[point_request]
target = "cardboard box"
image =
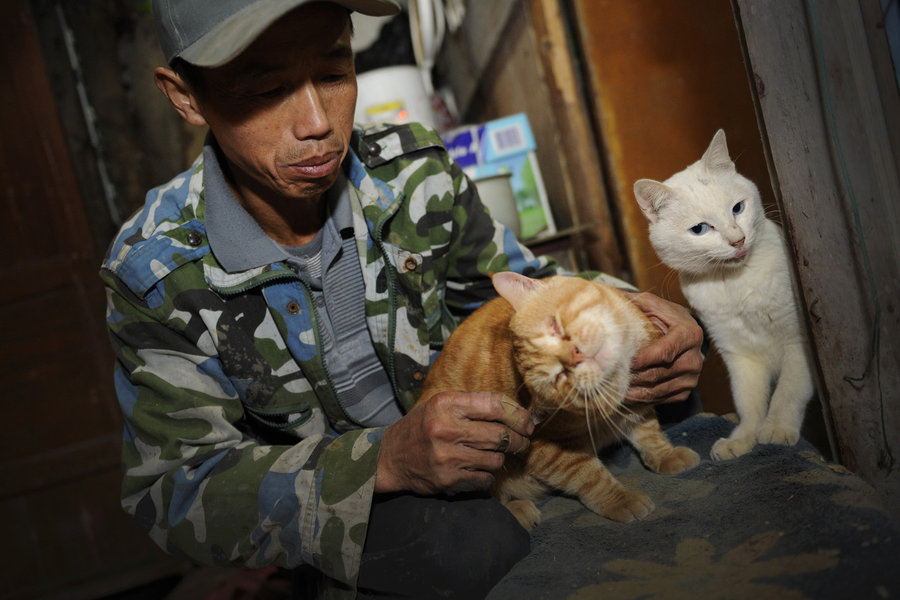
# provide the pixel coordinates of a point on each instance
(506, 145)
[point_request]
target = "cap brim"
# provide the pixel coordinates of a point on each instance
(231, 37)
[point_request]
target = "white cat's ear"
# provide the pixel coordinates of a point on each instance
(651, 196)
(514, 286)
(716, 156)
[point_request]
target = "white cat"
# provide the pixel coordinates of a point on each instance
(707, 222)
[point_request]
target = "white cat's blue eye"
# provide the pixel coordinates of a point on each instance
(699, 229)
(738, 208)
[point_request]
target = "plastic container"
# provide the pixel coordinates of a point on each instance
(393, 95)
(497, 194)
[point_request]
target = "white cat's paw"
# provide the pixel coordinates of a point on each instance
(774, 434)
(526, 513)
(727, 448)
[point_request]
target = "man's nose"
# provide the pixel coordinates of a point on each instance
(310, 117)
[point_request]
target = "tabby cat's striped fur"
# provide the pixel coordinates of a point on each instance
(561, 347)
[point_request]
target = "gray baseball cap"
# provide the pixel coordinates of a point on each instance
(209, 33)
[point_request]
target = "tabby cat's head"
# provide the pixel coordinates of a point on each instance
(574, 340)
(703, 218)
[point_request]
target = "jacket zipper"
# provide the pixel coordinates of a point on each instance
(392, 304)
(320, 354)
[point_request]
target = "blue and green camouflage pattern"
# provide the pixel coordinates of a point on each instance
(236, 449)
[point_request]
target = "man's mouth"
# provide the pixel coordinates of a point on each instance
(316, 166)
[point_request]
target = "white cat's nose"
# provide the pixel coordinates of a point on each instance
(738, 243)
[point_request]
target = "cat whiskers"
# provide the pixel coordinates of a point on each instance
(550, 416)
(607, 406)
(670, 277)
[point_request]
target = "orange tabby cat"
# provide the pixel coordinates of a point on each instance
(561, 347)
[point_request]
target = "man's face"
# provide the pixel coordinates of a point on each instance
(282, 111)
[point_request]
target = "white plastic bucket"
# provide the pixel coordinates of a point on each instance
(393, 95)
(497, 195)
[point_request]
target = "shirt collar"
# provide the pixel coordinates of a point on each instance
(235, 238)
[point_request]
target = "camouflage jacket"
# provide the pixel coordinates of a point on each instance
(231, 450)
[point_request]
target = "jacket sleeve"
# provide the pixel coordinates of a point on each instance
(202, 487)
(481, 246)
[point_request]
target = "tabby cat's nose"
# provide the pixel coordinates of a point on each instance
(577, 357)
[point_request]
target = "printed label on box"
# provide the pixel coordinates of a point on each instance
(506, 145)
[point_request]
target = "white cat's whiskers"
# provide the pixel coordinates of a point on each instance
(670, 280)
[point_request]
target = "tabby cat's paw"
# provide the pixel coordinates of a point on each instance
(679, 459)
(526, 513)
(774, 434)
(727, 448)
(629, 506)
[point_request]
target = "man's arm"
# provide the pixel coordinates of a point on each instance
(480, 247)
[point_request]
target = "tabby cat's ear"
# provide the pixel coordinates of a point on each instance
(514, 286)
(651, 196)
(716, 156)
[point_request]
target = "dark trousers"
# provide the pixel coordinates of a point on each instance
(435, 547)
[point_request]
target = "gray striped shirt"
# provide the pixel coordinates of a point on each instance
(330, 266)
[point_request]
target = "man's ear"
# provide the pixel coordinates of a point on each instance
(179, 94)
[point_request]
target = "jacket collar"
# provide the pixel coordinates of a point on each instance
(235, 238)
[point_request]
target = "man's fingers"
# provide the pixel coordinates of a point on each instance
(516, 417)
(686, 369)
(495, 437)
(486, 422)
(452, 442)
(467, 469)
(493, 406)
(664, 351)
(669, 390)
(643, 397)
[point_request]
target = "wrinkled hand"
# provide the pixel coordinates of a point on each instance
(450, 443)
(667, 369)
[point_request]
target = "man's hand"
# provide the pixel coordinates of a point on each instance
(667, 369)
(453, 442)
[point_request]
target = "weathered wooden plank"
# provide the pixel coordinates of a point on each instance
(59, 464)
(883, 64)
(584, 185)
(835, 179)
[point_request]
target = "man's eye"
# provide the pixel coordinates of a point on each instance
(272, 93)
(334, 77)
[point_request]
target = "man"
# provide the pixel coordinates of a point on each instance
(275, 308)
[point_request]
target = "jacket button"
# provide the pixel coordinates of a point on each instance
(194, 239)
(410, 264)
(418, 375)
(374, 149)
(293, 307)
